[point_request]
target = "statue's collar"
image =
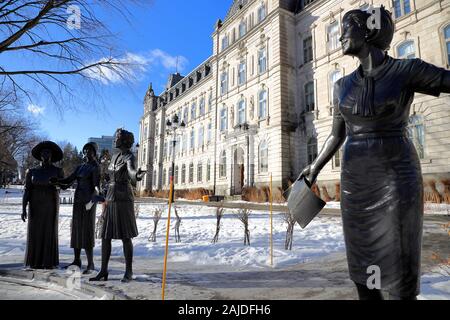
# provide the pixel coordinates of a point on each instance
(378, 72)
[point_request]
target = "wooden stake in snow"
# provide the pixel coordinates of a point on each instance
(167, 241)
(271, 222)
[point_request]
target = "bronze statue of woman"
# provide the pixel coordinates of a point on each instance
(87, 177)
(119, 220)
(381, 178)
(43, 200)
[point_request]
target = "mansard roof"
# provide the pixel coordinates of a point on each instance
(235, 7)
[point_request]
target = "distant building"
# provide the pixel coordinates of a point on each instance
(105, 142)
(261, 104)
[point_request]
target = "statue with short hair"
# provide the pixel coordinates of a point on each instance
(381, 179)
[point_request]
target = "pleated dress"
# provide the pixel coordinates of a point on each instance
(119, 219)
(381, 178)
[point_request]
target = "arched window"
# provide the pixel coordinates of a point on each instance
(183, 173)
(242, 28)
(262, 12)
(199, 172)
(406, 50)
(223, 119)
(164, 177)
(447, 42)
(312, 150)
(262, 104)
(191, 173)
(241, 112)
(263, 157)
(223, 164)
(337, 159)
(334, 77)
(202, 107)
(309, 97)
(416, 133)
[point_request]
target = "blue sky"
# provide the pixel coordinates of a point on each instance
(157, 35)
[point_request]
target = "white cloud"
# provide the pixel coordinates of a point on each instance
(35, 110)
(169, 62)
(134, 66)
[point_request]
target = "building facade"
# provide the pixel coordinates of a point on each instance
(261, 104)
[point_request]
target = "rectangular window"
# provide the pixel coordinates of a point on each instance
(309, 97)
(223, 83)
(208, 171)
(307, 50)
(262, 61)
(401, 8)
(201, 139)
(242, 73)
(192, 139)
(209, 134)
(261, 13)
(199, 172)
(223, 119)
(333, 36)
(224, 42)
(191, 173)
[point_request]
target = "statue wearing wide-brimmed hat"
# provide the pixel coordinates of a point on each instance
(43, 197)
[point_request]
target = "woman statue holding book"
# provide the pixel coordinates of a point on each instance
(87, 177)
(119, 220)
(381, 178)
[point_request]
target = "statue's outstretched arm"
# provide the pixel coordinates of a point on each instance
(331, 145)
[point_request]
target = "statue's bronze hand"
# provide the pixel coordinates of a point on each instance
(310, 174)
(24, 215)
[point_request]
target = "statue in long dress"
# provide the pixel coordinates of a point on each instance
(42, 200)
(381, 178)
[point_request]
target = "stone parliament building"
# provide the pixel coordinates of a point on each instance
(261, 103)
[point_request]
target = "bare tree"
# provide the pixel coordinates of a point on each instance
(219, 215)
(57, 39)
(157, 213)
(177, 226)
(243, 215)
(289, 219)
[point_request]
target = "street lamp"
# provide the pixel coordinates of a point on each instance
(171, 129)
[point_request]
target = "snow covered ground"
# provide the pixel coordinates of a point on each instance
(322, 237)
(197, 230)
